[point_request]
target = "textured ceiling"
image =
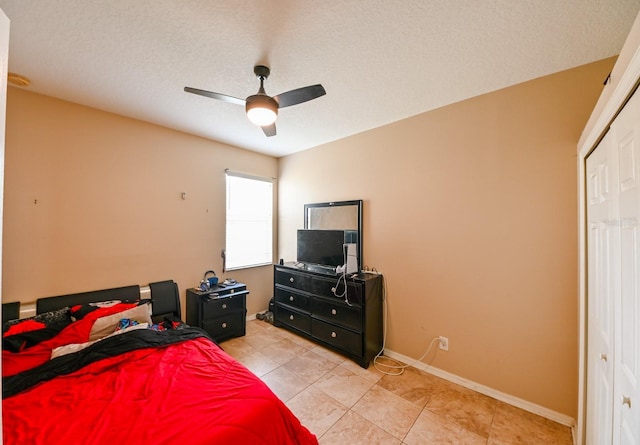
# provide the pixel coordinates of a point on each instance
(380, 61)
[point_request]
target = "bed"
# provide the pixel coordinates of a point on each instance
(109, 367)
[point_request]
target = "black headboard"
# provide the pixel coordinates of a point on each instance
(10, 311)
(165, 299)
(127, 293)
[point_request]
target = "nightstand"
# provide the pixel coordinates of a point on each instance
(221, 311)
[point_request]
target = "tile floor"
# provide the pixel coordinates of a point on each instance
(342, 403)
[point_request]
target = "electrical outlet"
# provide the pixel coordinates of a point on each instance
(444, 343)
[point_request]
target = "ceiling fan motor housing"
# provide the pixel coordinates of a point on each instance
(261, 109)
(261, 71)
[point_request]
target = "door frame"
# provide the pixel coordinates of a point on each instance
(619, 87)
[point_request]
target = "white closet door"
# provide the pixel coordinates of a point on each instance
(4, 64)
(603, 269)
(626, 402)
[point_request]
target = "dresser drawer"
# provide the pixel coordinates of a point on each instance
(292, 279)
(289, 317)
(324, 287)
(338, 337)
(337, 312)
(226, 326)
(216, 307)
(293, 299)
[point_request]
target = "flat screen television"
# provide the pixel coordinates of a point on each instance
(323, 247)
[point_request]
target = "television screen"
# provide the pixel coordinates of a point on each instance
(322, 247)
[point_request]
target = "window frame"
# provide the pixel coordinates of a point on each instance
(266, 219)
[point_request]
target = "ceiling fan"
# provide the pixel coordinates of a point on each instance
(262, 110)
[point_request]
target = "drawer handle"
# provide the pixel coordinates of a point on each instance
(224, 325)
(224, 305)
(603, 356)
(626, 401)
(290, 317)
(333, 312)
(291, 298)
(291, 280)
(232, 291)
(334, 335)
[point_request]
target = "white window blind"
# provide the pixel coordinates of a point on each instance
(249, 231)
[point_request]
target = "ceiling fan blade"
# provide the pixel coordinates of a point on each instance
(269, 130)
(299, 95)
(224, 97)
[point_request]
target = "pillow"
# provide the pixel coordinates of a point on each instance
(76, 332)
(23, 360)
(25, 333)
(75, 347)
(79, 311)
(106, 325)
(48, 318)
(25, 326)
(92, 311)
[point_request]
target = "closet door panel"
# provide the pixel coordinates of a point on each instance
(627, 311)
(602, 247)
(627, 365)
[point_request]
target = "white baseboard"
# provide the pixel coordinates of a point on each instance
(482, 389)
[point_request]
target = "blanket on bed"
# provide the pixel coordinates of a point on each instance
(174, 386)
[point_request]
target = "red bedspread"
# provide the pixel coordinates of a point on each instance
(188, 392)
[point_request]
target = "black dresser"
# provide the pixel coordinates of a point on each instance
(221, 311)
(305, 303)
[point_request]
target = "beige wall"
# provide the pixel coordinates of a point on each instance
(470, 212)
(93, 200)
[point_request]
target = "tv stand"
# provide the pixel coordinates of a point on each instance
(305, 304)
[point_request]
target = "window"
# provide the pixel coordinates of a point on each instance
(249, 238)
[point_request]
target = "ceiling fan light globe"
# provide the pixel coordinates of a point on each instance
(262, 110)
(261, 116)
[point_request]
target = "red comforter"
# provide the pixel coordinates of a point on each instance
(189, 391)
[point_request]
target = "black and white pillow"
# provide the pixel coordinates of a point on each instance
(41, 327)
